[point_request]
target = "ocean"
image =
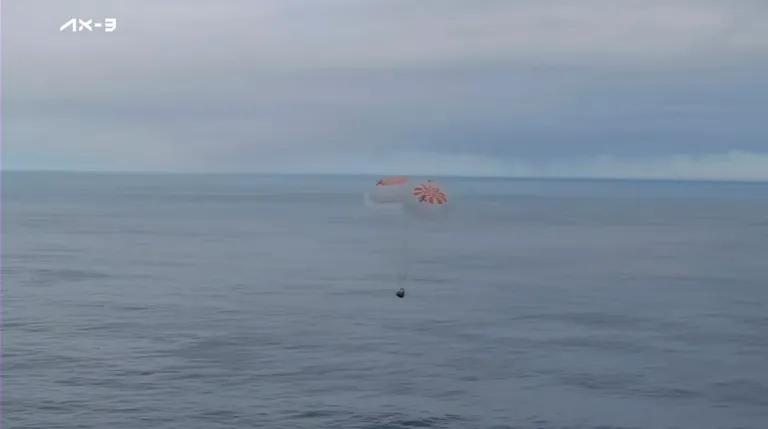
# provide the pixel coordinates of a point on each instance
(249, 301)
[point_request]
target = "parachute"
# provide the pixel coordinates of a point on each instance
(390, 190)
(426, 199)
(389, 194)
(405, 202)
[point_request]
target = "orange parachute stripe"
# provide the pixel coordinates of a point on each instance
(394, 180)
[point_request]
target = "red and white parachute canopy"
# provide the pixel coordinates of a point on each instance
(418, 198)
(429, 193)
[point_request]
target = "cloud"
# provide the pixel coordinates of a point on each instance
(729, 166)
(721, 166)
(510, 87)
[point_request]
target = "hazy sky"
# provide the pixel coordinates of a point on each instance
(647, 88)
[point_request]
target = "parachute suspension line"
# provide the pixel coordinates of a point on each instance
(424, 200)
(404, 256)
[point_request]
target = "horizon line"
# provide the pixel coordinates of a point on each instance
(458, 176)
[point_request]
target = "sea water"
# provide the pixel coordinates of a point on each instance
(242, 301)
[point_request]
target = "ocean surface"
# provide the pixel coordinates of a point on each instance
(247, 301)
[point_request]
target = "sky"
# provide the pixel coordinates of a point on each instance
(668, 89)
